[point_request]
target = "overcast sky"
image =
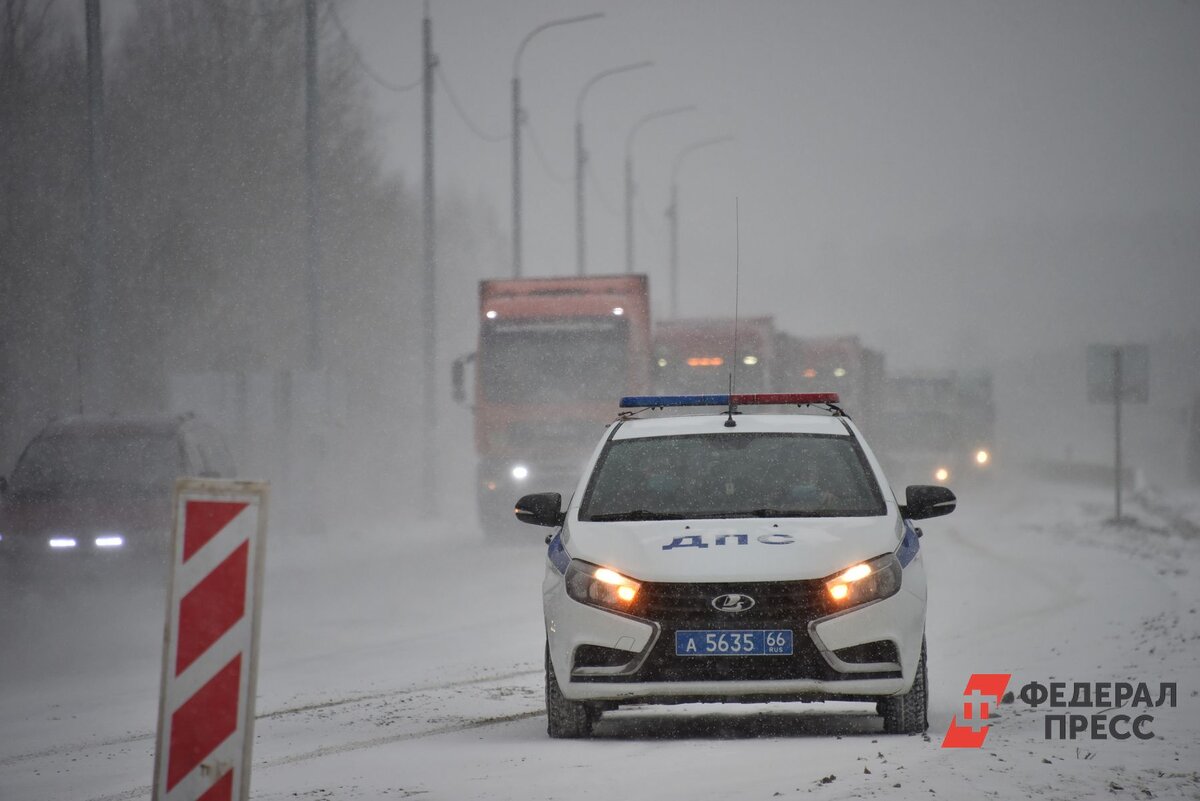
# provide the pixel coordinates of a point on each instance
(938, 177)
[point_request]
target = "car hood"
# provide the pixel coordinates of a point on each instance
(85, 512)
(754, 549)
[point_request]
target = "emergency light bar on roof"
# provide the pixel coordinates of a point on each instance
(755, 399)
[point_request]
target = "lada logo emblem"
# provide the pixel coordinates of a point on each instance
(732, 602)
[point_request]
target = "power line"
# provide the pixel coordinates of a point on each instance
(362, 63)
(475, 129)
(551, 173)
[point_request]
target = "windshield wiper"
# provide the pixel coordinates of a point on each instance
(781, 513)
(635, 514)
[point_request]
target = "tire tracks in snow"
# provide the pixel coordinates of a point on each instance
(321, 706)
(356, 745)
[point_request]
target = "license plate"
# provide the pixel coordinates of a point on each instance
(726, 642)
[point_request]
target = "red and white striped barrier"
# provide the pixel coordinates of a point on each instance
(210, 647)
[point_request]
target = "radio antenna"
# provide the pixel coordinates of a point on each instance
(737, 274)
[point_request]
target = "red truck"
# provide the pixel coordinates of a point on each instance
(833, 364)
(696, 356)
(554, 357)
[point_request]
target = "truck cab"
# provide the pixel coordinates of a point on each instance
(553, 356)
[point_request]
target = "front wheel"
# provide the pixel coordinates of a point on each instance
(908, 713)
(566, 719)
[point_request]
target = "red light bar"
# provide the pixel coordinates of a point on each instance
(784, 398)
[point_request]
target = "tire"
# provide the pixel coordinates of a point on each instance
(566, 719)
(908, 713)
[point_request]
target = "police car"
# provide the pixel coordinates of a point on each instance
(721, 556)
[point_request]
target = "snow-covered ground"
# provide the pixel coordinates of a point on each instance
(406, 661)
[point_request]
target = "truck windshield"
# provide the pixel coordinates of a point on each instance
(732, 475)
(98, 460)
(554, 361)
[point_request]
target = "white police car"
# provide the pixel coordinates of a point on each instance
(737, 558)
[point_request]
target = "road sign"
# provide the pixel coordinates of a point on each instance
(1108, 364)
(210, 647)
(1118, 374)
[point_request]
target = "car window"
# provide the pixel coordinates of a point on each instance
(102, 460)
(732, 475)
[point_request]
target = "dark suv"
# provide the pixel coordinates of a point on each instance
(100, 487)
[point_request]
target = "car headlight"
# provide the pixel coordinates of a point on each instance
(982, 457)
(520, 472)
(600, 586)
(866, 581)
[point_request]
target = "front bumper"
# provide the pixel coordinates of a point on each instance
(860, 653)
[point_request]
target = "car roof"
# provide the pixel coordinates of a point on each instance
(680, 425)
(84, 425)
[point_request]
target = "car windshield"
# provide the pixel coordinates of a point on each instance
(732, 475)
(554, 361)
(98, 460)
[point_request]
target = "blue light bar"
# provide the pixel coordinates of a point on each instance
(641, 401)
(739, 399)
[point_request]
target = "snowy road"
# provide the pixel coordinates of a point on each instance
(408, 663)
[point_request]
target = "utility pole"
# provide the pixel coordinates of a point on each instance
(673, 225)
(516, 175)
(673, 212)
(581, 161)
(630, 185)
(429, 284)
(95, 376)
(312, 174)
(517, 120)
(1118, 391)
(580, 225)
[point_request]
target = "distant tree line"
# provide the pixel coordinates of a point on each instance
(205, 110)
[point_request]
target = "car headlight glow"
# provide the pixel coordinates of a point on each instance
(600, 586)
(982, 457)
(520, 472)
(941, 475)
(866, 581)
(110, 541)
(62, 542)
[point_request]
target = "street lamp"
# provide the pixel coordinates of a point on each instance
(581, 157)
(516, 130)
(673, 212)
(630, 187)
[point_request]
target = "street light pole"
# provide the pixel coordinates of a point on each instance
(673, 212)
(516, 132)
(630, 186)
(429, 459)
(581, 160)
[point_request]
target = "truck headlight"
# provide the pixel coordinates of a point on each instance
(600, 586)
(866, 581)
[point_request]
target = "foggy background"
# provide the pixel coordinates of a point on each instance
(961, 185)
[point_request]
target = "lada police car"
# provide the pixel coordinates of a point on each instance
(721, 556)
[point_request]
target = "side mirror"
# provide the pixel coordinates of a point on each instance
(922, 502)
(540, 509)
(457, 371)
(458, 374)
